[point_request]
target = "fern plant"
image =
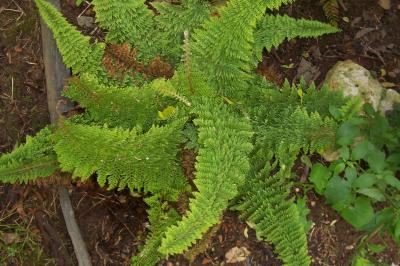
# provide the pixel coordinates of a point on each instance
(130, 135)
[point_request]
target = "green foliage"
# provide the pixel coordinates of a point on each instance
(160, 219)
(365, 172)
(124, 107)
(128, 22)
(275, 218)
(191, 136)
(296, 131)
(287, 121)
(275, 4)
(78, 2)
(19, 243)
(123, 158)
(226, 41)
(120, 140)
(175, 19)
(29, 161)
(273, 30)
(77, 51)
(303, 210)
(221, 166)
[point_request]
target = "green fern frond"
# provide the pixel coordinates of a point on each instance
(275, 4)
(77, 51)
(124, 107)
(297, 130)
(222, 164)
(175, 19)
(285, 123)
(267, 103)
(30, 161)
(273, 30)
(123, 158)
(159, 220)
(129, 21)
(320, 100)
(165, 88)
(78, 2)
(275, 218)
(352, 107)
(222, 49)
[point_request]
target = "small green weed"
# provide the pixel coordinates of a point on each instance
(362, 184)
(19, 244)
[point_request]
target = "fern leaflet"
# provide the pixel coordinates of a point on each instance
(221, 167)
(77, 51)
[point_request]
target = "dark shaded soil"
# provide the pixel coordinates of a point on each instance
(23, 107)
(114, 224)
(369, 38)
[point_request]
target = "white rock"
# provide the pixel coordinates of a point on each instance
(85, 21)
(354, 80)
(388, 101)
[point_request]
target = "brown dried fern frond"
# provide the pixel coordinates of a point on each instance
(120, 60)
(331, 10)
(56, 179)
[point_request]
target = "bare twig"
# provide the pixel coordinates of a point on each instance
(77, 241)
(55, 73)
(12, 89)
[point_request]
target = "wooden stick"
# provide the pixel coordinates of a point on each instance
(56, 73)
(73, 230)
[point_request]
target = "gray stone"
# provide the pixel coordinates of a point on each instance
(389, 100)
(354, 80)
(85, 21)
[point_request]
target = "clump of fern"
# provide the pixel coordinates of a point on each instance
(247, 133)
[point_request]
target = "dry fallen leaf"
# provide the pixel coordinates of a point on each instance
(205, 261)
(10, 238)
(246, 232)
(388, 84)
(385, 4)
(19, 208)
(236, 254)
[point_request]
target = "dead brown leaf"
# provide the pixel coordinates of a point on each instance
(237, 254)
(10, 238)
(385, 4)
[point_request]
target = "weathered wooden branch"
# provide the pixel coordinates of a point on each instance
(56, 74)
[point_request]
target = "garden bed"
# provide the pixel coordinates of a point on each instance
(114, 224)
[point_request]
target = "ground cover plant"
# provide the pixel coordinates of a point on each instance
(362, 184)
(243, 128)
